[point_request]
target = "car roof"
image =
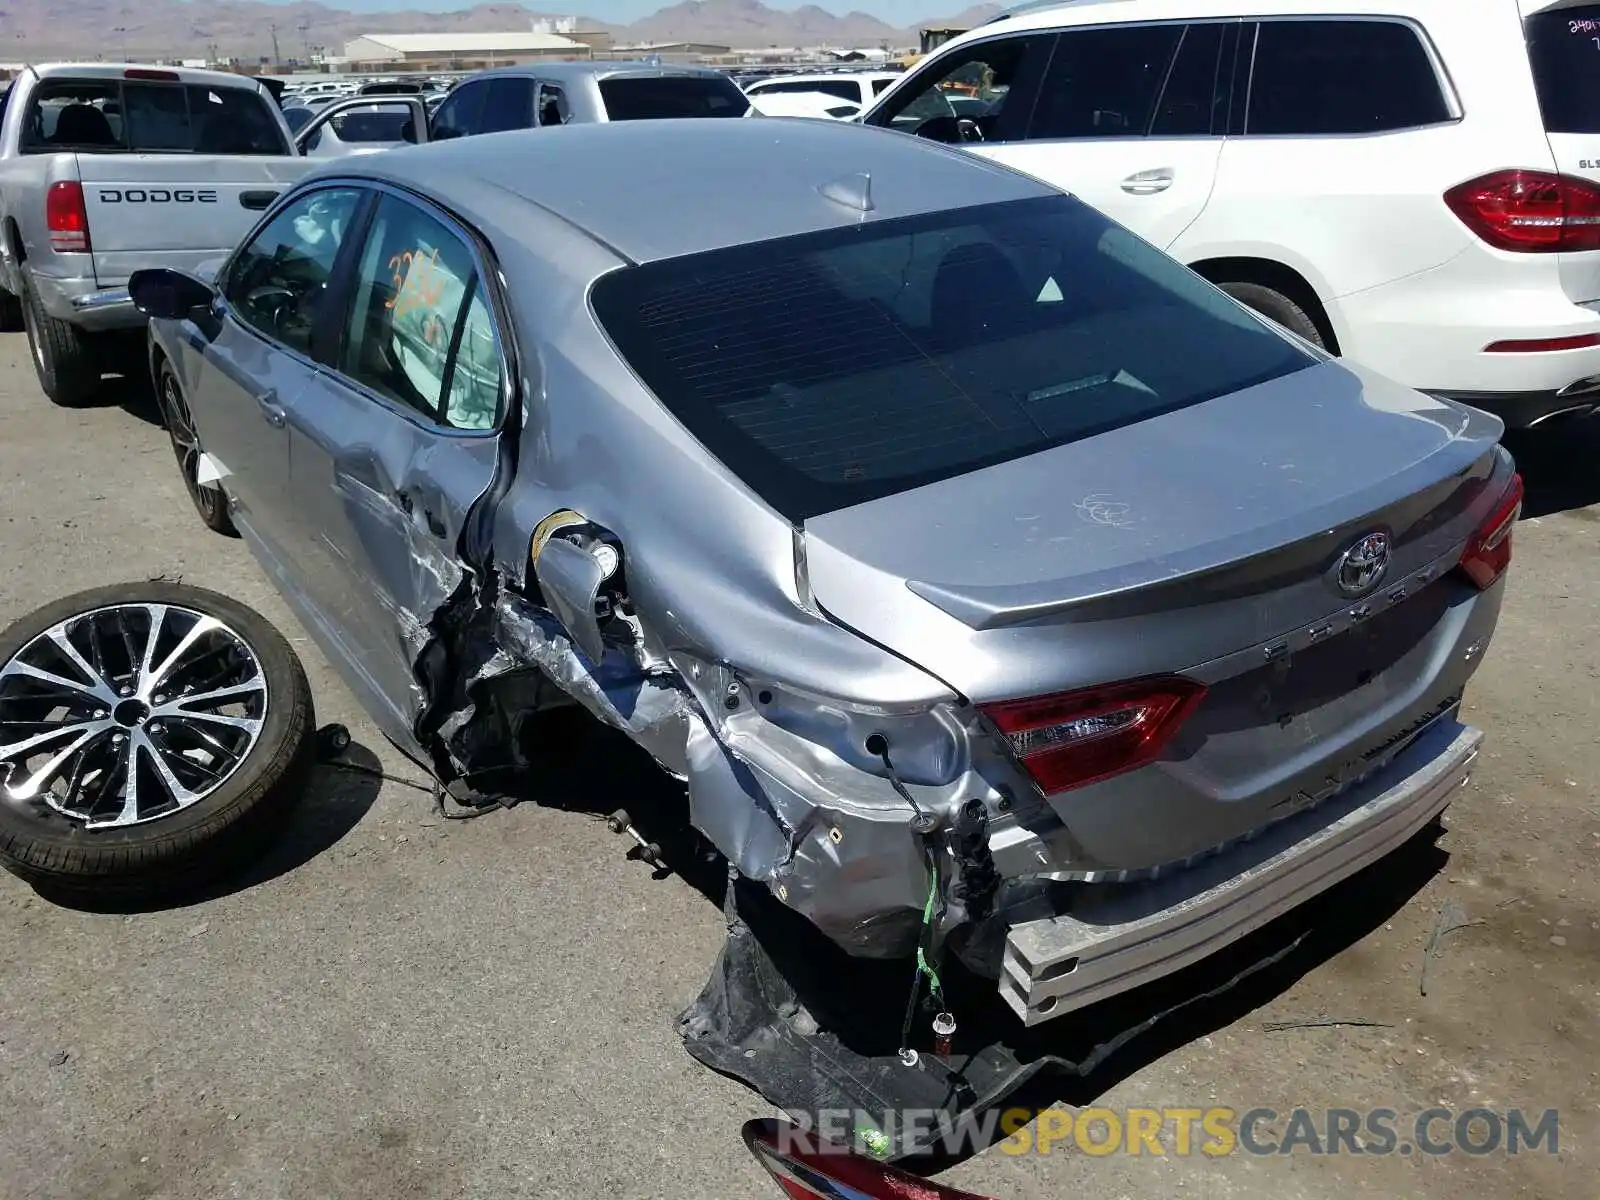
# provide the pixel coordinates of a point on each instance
(662, 188)
(567, 71)
(1103, 12)
(813, 76)
(101, 70)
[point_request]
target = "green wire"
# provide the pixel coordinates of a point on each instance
(923, 964)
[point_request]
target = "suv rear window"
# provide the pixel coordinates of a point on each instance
(111, 116)
(1564, 48)
(833, 368)
(649, 97)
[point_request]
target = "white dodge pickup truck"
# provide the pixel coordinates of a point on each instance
(108, 168)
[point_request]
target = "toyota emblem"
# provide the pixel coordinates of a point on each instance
(1361, 568)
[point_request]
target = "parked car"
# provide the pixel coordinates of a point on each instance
(860, 88)
(1412, 187)
(104, 169)
(821, 105)
(543, 94)
(1000, 588)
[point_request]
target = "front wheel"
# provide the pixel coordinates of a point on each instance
(208, 498)
(152, 737)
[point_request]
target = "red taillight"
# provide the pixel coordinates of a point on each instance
(66, 217)
(1543, 345)
(1529, 211)
(1488, 554)
(151, 73)
(807, 1168)
(1077, 738)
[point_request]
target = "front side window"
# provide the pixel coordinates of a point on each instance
(1104, 82)
(651, 97)
(461, 113)
(833, 368)
(1341, 77)
(509, 105)
(1192, 100)
(150, 118)
(880, 85)
(553, 108)
(421, 330)
(1564, 48)
(964, 97)
(278, 280)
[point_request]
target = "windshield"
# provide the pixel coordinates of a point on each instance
(649, 97)
(113, 117)
(1564, 48)
(833, 368)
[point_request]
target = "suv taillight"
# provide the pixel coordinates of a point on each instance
(1488, 553)
(1077, 738)
(66, 217)
(1529, 211)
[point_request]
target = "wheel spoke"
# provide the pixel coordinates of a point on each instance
(158, 619)
(29, 788)
(60, 682)
(41, 739)
(183, 706)
(143, 741)
(198, 630)
(129, 812)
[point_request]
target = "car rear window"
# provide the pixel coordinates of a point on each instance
(111, 116)
(1564, 48)
(833, 368)
(650, 97)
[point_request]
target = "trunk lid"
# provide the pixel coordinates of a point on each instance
(1066, 568)
(175, 210)
(1564, 54)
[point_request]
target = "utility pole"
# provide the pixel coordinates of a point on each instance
(305, 36)
(275, 59)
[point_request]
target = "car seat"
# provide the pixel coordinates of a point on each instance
(83, 125)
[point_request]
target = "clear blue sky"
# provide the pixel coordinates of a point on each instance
(896, 12)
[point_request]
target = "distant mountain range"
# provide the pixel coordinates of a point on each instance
(36, 30)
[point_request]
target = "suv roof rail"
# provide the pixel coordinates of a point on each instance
(1031, 5)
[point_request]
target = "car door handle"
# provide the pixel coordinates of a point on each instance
(257, 201)
(1148, 183)
(272, 410)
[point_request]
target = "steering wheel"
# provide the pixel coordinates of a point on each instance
(968, 130)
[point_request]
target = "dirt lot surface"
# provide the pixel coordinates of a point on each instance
(392, 1006)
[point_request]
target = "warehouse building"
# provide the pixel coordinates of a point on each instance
(467, 51)
(675, 52)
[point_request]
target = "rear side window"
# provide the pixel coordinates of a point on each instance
(150, 118)
(1564, 48)
(1342, 76)
(845, 89)
(833, 368)
(461, 113)
(646, 97)
(1104, 82)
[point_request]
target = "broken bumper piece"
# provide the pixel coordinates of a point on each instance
(1123, 936)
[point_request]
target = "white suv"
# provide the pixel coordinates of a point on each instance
(1413, 184)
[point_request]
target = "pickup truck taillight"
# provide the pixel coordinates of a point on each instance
(66, 217)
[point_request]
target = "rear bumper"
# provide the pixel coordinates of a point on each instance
(1524, 410)
(83, 303)
(1135, 934)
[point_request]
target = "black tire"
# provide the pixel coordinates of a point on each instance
(10, 312)
(175, 854)
(63, 355)
(209, 500)
(1275, 306)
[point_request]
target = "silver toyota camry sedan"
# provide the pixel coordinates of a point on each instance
(1003, 593)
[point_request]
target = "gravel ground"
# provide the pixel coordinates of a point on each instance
(389, 1006)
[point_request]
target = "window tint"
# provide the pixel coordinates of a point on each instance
(1192, 93)
(509, 105)
(644, 97)
(461, 112)
(1322, 77)
(974, 84)
(278, 280)
(832, 368)
(880, 85)
(416, 294)
(845, 89)
(552, 105)
(1104, 82)
(1564, 47)
(150, 118)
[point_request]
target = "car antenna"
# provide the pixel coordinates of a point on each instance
(852, 191)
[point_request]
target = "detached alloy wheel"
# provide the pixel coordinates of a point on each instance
(152, 737)
(210, 501)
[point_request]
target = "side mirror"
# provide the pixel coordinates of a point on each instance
(570, 578)
(167, 294)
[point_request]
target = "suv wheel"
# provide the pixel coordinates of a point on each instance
(63, 355)
(1275, 306)
(152, 736)
(210, 501)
